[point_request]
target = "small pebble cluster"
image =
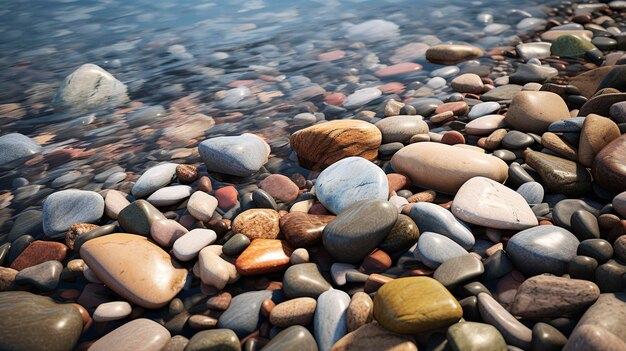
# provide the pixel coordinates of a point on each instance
(493, 219)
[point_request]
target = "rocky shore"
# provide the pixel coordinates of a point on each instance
(386, 187)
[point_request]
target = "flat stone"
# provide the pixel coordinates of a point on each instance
(329, 321)
(458, 270)
(137, 218)
(39, 251)
(450, 54)
(463, 336)
(258, 224)
(483, 109)
(600, 104)
(304, 280)
(348, 181)
(112, 311)
(559, 175)
(415, 304)
(398, 69)
(66, 207)
(534, 111)
(16, 146)
(361, 97)
(89, 87)
(280, 187)
(606, 314)
(217, 339)
(433, 218)
(357, 230)
(302, 229)
(542, 249)
(241, 155)
(294, 338)
(372, 336)
(140, 334)
(360, 311)
(609, 166)
(166, 231)
(170, 195)
(264, 256)
(243, 315)
(32, 322)
(134, 268)
(189, 245)
(550, 297)
(297, 311)
(513, 331)
(504, 92)
(154, 178)
(486, 124)
(401, 128)
(435, 249)
(421, 162)
(44, 276)
(597, 132)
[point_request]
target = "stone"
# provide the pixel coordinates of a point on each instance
(619, 247)
(357, 230)
(599, 249)
(280, 188)
(360, 311)
(564, 210)
(415, 304)
(534, 111)
(37, 252)
(532, 50)
(201, 206)
(483, 109)
(304, 280)
(497, 266)
(600, 104)
(44, 276)
(114, 202)
(170, 195)
(597, 132)
(542, 249)
(258, 224)
(187, 247)
(166, 231)
(433, 218)
(7, 278)
(435, 249)
(243, 315)
(517, 140)
(504, 92)
(323, 144)
(88, 88)
(372, 31)
(559, 175)
(573, 125)
(532, 192)
(450, 54)
(619, 204)
(240, 156)
(401, 128)
(137, 218)
(112, 311)
(402, 236)
(609, 166)
(348, 181)
(361, 97)
(590, 337)
(186, 174)
(329, 321)
(421, 162)
(28, 221)
(32, 322)
(464, 337)
(264, 256)
(302, 229)
(297, 311)
(339, 272)
(216, 339)
(571, 46)
(154, 178)
(486, 124)
(140, 334)
(16, 146)
(468, 83)
(398, 69)
(529, 73)
(298, 256)
(66, 207)
(262, 199)
(134, 268)
(513, 331)
(294, 338)
(547, 337)
(458, 270)
(372, 336)
(605, 314)
(201, 322)
(550, 297)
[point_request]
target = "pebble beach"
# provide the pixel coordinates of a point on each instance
(332, 175)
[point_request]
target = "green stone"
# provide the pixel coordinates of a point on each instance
(472, 336)
(571, 46)
(402, 236)
(137, 217)
(214, 340)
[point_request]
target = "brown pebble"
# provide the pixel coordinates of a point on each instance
(7, 278)
(220, 301)
(376, 262)
(186, 173)
(39, 251)
(298, 311)
(423, 196)
(442, 117)
(204, 184)
(201, 322)
(608, 220)
(452, 138)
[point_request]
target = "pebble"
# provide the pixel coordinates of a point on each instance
(361, 97)
(559, 175)
(349, 181)
(170, 195)
(243, 315)
(514, 332)
(112, 311)
(15, 146)
(398, 69)
(298, 256)
(217, 339)
(485, 124)
(166, 231)
(280, 188)
(532, 192)
(434, 249)
(258, 224)
(483, 109)
(153, 179)
(189, 245)
(201, 206)
(44, 276)
(329, 321)
(264, 256)
(462, 336)
(137, 218)
(608, 167)
(451, 54)
(402, 236)
(66, 207)
(401, 128)
(296, 338)
(38, 252)
(214, 270)
(241, 155)
(517, 140)
(373, 336)
(458, 270)
(547, 337)
(605, 315)
(619, 204)
(304, 280)
(114, 202)
(597, 132)
(534, 111)
(360, 311)
(433, 218)
(302, 229)
(542, 249)
(297, 311)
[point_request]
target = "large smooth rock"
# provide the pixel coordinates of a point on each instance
(609, 166)
(329, 321)
(597, 132)
(153, 179)
(140, 334)
(446, 168)
(472, 336)
(294, 338)
(372, 336)
(401, 128)
(243, 316)
(533, 111)
(241, 155)
(348, 181)
(134, 268)
(89, 87)
(66, 207)
(30, 322)
(434, 218)
(542, 249)
(415, 304)
(15, 146)
(357, 230)
(607, 314)
(304, 280)
(558, 174)
(490, 204)
(434, 249)
(323, 144)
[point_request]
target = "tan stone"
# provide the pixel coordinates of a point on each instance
(533, 111)
(114, 202)
(553, 142)
(553, 35)
(372, 336)
(134, 268)
(597, 132)
(258, 223)
(297, 311)
(360, 311)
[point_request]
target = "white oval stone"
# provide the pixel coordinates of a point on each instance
(170, 195)
(112, 311)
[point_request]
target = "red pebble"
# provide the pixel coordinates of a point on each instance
(452, 138)
(226, 197)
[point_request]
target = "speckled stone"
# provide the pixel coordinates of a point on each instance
(372, 336)
(542, 249)
(348, 181)
(66, 207)
(329, 321)
(433, 218)
(513, 331)
(434, 249)
(241, 155)
(258, 223)
(304, 280)
(559, 175)
(153, 179)
(243, 315)
(294, 338)
(464, 336)
(297, 311)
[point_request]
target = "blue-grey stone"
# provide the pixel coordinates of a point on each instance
(44, 276)
(542, 249)
(569, 125)
(532, 192)
(15, 146)
(425, 106)
(348, 181)
(434, 249)
(66, 207)
(483, 109)
(154, 179)
(564, 209)
(356, 232)
(243, 316)
(329, 321)
(433, 218)
(240, 155)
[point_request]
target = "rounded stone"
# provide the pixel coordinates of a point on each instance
(434, 249)
(298, 311)
(463, 337)
(609, 165)
(304, 280)
(258, 224)
(450, 54)
(402, 235)
(280, 187)
(360, 311)
(534, 111)
(112, 311)
(140, 334)
(372, 336)
(241, 155)
(216, 339)
(201, 206)
(154, 178)
(66, 207)
(401, 128)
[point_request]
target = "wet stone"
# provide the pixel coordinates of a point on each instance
(44, 276)
(462, 336)
(458, 270)
(137, 218)
(304, 280)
